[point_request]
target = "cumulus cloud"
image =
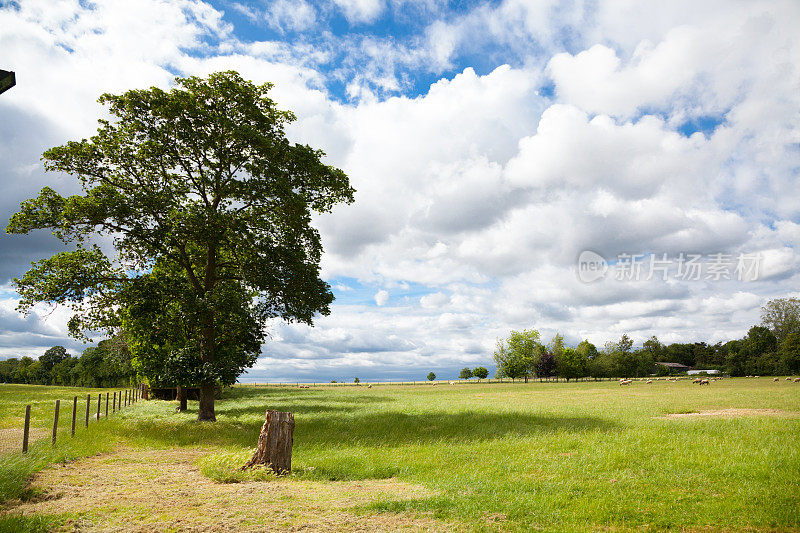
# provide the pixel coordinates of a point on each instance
(381, 297)
(488, 147)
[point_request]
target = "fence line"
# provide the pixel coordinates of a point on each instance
(131, 396)
(27, 427)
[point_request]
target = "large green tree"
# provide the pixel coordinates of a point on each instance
(571, 363)
(200, 179)
(782, 317)
(516, 356)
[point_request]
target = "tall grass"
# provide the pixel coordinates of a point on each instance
(17, 468)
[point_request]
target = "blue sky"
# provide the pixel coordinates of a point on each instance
(490, 144)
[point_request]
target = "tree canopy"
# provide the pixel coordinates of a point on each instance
(516, 356)
(480, 372)
(204, 199)
(782, 317)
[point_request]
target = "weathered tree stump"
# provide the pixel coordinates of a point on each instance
(275, 443)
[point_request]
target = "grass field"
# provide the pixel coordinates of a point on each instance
(548, 456)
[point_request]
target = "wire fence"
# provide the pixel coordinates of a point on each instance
(65, 419)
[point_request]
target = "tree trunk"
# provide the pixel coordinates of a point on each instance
(181, 397)
(275, 443)
(206, 410)
(207, 343)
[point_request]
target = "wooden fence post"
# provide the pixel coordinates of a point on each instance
(74, 412)
(126, 397)
(99, 401)
(106, 405)
(55, 420)
(88, 402)
(114, 405)
(26, 429)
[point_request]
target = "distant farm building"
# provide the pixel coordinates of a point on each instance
(675, 367)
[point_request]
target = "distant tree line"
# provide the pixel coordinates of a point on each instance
(772, 348)
(106, 365)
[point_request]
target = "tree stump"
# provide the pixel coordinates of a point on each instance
(275, 443)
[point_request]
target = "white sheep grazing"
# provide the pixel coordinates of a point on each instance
(697, 380)
(704, 382)
(788, 379)
(776, 379)
(797, 380)
(452, 383)
(369, 386)
(649, 381)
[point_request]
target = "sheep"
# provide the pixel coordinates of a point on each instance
(625, 381)
(697, 380)
(776, 379)
(704, 382)
(369, 386)
(788, 379)
(797, 380)
(452, 383)
(649, 381)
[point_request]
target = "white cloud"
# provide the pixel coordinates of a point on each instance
(360, 11)
(476, 194)
(282, 15)
(434, 300)
(381, 297)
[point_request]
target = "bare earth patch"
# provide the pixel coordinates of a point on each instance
(163, 490)
(729, 413)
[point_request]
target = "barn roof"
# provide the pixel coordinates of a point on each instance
(673, 365)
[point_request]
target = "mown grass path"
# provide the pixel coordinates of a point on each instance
(549, 456)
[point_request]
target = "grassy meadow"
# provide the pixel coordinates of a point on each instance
(547, 456)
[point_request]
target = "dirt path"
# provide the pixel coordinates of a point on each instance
(163, 490)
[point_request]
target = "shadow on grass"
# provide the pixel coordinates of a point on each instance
(394, 428)
(332, 426)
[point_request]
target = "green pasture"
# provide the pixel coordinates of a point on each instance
(550, 456)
